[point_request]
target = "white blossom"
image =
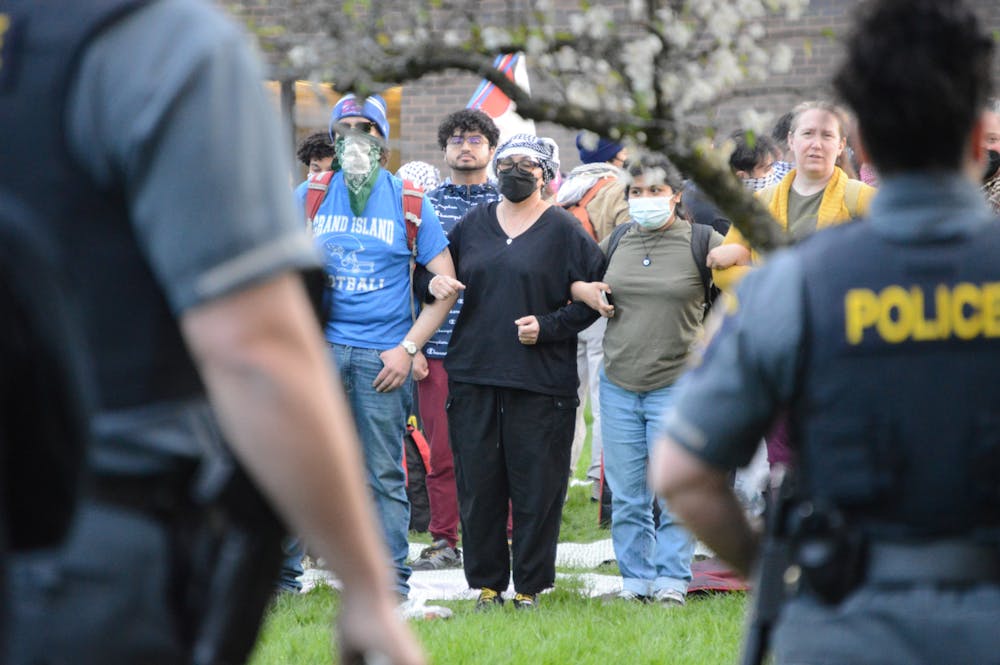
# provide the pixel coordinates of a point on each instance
(598, 22)
(637, 9)
(402, 39)
(670, 84)
(781, 58)
(664, 15)
(699, 91)
(750, 9)
(299, 56)
(535, 44)
(589, 140)
(582, 94)
(793, 8)
(678, 34)
(702, 8)
(725, 68)
(752, 119)
(638, 57)
(723, 23)
(494, 37)
(566, 59)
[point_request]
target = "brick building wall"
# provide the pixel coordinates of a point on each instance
(425, 102)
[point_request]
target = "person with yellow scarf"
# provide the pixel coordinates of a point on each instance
(812, 196)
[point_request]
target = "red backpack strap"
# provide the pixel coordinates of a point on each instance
(316, 192)
(420, 440)
(413, 201)
(579, 209)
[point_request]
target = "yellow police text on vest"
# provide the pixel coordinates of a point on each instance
(899, 314)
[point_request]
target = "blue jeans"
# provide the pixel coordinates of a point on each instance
(381, 422)
(291, 566)
(649, 558)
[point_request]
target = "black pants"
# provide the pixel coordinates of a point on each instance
(510, 445)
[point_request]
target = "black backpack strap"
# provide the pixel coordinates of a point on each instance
(615, 238)
(701, 235)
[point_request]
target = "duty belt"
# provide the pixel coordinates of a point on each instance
(159, 496)
(943, 562)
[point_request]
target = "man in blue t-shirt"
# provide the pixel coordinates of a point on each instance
(468, 139)
(361, 232)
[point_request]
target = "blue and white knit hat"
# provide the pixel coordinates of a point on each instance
(541, 148)
(373, 109)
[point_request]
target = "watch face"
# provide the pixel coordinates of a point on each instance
(410, 347)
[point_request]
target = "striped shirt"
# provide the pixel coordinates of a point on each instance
(451, 202)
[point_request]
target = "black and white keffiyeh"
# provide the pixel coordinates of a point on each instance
(541, 148)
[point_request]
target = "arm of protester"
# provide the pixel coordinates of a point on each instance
(727, 256)
(396, 362)
(420, 369)
(727, 278)
(589, 293)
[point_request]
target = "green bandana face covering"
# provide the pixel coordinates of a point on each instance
(359, 160)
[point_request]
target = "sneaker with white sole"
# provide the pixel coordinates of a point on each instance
(489, 599)
(668, 597)
(438, 556)
(631, 596)
(524, 601)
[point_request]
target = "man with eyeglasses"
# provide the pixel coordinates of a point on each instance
(468, 139)
(595, 192)
(361, 232)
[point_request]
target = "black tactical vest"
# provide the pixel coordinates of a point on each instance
(138, 351)
(898, 415)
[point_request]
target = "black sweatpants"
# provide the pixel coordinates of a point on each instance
(511, 445)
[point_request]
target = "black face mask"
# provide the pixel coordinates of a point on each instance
(516, 186)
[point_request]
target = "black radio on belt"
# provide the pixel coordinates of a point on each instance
(828, 556)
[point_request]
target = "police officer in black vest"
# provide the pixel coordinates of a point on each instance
(43, 393)
(138, 134)
(881, 339)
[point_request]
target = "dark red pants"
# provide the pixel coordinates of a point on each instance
(432, 393)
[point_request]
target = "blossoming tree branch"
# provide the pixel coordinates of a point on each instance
(643, 72)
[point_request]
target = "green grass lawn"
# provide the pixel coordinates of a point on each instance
(566, 628)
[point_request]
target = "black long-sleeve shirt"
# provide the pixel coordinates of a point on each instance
(506, 279)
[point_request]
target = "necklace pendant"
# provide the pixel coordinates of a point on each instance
(646, 261)
(510, 240)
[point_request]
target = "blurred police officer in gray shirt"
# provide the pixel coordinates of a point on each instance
(140, 135)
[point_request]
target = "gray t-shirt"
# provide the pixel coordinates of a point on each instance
(168, 105)
(658, 308)
(803, 213)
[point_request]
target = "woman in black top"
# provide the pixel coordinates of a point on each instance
(512, 371)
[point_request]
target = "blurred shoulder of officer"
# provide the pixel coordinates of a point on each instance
(882, 341)
(140, 135)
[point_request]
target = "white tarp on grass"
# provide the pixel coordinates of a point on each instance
(450, 584)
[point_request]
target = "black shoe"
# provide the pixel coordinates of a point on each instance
(438, 556)
(524, 601)
(488, 599)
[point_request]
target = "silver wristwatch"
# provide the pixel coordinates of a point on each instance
(410, 347)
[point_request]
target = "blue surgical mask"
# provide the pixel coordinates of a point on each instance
(651, 212)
